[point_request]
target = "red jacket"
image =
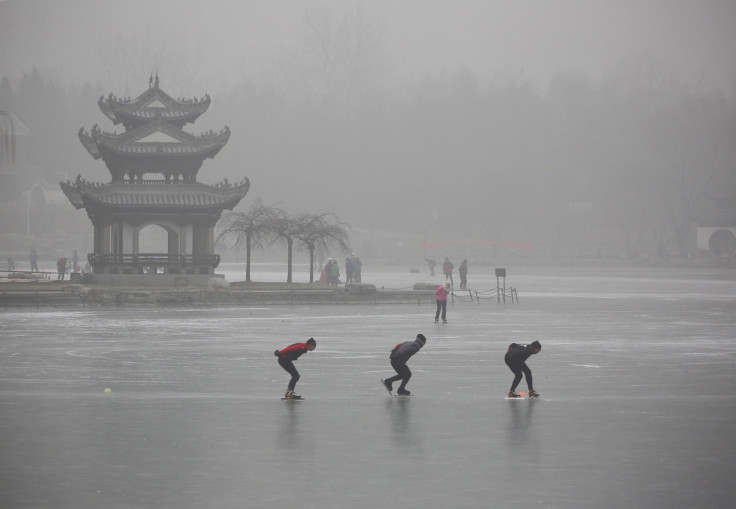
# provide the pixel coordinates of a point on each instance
(293, 352)
(441, 293)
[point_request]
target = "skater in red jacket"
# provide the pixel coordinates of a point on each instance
(287, 356)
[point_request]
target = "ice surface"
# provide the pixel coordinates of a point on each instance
(637, 410)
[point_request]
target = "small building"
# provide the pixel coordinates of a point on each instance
(154, 166)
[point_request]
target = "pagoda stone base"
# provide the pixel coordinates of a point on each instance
(157, 280)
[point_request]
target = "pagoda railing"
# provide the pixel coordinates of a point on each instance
(153, 260)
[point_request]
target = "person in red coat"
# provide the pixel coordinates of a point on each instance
(441, 298)
(287, 356)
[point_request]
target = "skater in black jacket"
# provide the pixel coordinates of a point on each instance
(287, 356)
(515, 359)
(399, 356)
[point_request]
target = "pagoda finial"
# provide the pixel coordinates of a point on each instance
(156, 83)
(150, 81)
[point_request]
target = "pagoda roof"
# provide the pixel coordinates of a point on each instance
(158, 196)
(157, 138)
(152, 103)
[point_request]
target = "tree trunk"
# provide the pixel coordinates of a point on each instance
(289, 244)
(247, 258)
(311, 264)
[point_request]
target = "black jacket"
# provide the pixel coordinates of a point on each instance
(520, 353)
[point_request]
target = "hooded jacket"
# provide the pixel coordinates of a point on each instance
(520, 353)
(441, 293)
(406, 350)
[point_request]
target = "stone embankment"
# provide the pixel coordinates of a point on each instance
(43, 293)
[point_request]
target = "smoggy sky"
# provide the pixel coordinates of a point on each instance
(535, 37)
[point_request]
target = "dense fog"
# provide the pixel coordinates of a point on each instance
(596, 125)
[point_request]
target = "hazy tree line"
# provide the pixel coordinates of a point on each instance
(634, 157)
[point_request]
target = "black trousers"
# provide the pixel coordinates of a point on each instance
(289, 367)
(404, 373)
(520, 369)
(441, 306)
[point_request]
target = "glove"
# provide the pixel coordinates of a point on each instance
(277, 353)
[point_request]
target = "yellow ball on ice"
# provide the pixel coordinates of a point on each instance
(107, 390)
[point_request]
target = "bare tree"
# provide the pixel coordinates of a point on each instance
(677, 151)
(285, 228)
(253, 228)
(315, 231)
(341, 57)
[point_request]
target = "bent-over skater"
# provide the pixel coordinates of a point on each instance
(515, 359)
(399, 356)
(287, 356)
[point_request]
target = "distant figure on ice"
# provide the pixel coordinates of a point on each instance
(33, 257)
(349, 270)
(447, 267)
(431, 263)
(441, 298)
(334, 273)
(357, 268)
(61, 268)
(515, 359)
(287, 356)
(463, 270)
(399, 357)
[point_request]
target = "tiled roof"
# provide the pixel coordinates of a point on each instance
(155, 195)
(156, 138)
(152, 103)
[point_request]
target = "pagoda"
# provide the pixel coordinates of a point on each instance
(154, 165)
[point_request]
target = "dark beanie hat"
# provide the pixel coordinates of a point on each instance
(422, 338)
(311, 341)
(536, 344)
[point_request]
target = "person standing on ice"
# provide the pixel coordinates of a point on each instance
(447, 267)
(463, 270)
(441, 298)
(515, 359)
(399, 357)
(287, 356)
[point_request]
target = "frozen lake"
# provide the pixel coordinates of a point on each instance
(637, 376)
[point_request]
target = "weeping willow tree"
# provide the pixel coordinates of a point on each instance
(251, 229)
(321, 231)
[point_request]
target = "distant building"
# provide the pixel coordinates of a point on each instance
(154, 166)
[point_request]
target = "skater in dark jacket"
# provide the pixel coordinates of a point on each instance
(287, 356)
(399, 356)
(515, 359)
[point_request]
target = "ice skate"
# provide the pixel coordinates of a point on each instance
(533, 393)
(291, 395)
(512, 394)
(403, 392)
(444, 322)
(387, 385)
